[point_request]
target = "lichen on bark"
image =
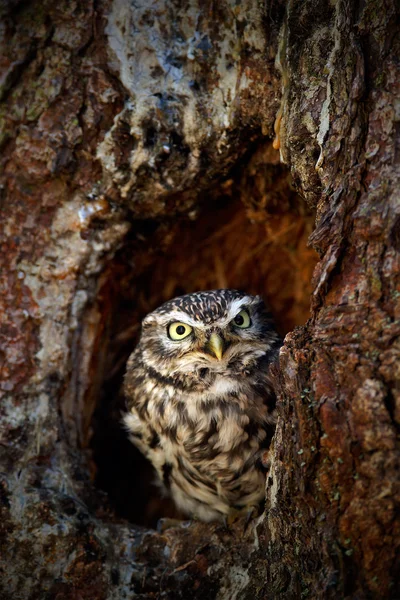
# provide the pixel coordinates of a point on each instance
(199, 83)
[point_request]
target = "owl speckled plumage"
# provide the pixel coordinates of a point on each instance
(199, 399)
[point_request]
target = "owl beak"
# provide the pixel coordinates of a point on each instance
(216, 345)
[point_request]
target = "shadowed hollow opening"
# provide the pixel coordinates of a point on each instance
(251, 235)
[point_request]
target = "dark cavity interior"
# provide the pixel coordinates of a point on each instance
(250, 234)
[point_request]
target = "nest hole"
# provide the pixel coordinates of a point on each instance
(250, 234)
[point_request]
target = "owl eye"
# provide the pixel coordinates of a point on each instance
(179, 331)
(242, 319)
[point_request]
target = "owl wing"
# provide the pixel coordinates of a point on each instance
(146, 439)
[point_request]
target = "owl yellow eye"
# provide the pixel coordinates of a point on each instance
(179, 331)
(242, 320)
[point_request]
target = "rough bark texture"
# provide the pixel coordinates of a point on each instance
(116, 122)
(339, 380)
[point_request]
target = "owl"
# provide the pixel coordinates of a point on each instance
(200, 405)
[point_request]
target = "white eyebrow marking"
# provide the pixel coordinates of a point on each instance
(179, 315)
(234, 309)
(182, 317)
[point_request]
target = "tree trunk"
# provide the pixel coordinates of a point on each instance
(137, 164)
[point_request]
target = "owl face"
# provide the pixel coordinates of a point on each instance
(214, 331)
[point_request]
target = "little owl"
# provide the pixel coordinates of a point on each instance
(200, 403)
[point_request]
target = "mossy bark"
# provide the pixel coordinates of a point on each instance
(119, 127)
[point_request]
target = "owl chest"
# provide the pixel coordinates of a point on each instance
(221, 437)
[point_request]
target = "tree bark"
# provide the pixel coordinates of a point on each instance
(120, 122)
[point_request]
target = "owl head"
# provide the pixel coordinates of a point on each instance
(219, 331)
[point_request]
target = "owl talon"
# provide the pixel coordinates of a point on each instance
(229, 519)
(235, 515)
(251, 514)
(167, 523)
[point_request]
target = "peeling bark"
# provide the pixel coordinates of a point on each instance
(114, 121)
